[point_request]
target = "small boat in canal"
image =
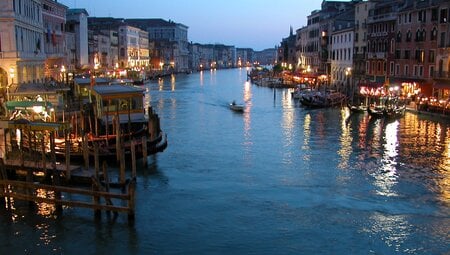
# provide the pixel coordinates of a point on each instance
(237, 107)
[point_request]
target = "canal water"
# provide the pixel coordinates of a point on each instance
(276, 179)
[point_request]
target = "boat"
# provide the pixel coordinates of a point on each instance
(357, 108)
(320, 99)
(392, 108)
(237, 107)
(116, 116)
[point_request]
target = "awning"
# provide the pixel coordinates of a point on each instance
(24, 105)
(441, 84)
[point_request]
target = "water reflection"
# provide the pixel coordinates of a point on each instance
(306, 137)
(346, 141)
(393, 230)
(386, 176)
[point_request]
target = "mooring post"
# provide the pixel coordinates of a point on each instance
(133, 158)
(96, 160)
(67, 142)
(85, 151)
(131, 203)
(122, 164)
(144, 150)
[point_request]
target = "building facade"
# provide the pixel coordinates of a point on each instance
(77, 39)
(22, 52)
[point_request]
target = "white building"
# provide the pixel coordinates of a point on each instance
(133, 47)
(21, 43)
(54, 19)
(342, 50)
(78, 50)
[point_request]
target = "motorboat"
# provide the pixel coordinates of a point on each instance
(237, 107)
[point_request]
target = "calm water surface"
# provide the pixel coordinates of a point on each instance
(277, 179)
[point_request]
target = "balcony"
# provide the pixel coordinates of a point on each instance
(376, 55)
(382, 17)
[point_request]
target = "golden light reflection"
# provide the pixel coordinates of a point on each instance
(288, 133)
(201, 78)
(45, 209)
(161, 84)
(346, 141)
(172, 82)
(147, 99)
(386, 176)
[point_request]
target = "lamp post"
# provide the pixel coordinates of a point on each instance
(11, 74)
(63, 72)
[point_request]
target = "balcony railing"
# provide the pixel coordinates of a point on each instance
(382, 17)
(376, 55)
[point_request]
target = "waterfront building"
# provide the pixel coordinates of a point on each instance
(170, 40)
(22, 52)
(342, 51)
(133, 47)
(360, 44)
(441, 73)
(287, 52)
(266, 56)
(77, 39)
(416, 47)
(244, 57)
(381, 24)
(201, 56)
(54, 21)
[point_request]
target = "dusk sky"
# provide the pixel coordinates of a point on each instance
(257, 24)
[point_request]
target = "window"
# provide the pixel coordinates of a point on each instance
(431, 56)
(444, 16)
(431, 71)
(420, 71)
(406, 70)
(407, 54)
(442, 42)
(422, 16)
(399, 37)
(397, 54)
(408, 36)
(391, 68)
(434, 14)
(356, 37)
(433, 36)
(397, 69)
(416, 71)
(379, 67)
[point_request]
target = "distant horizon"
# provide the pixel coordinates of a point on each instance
(243, 24)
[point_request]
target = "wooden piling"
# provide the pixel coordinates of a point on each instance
(133, 158)
(96, 160)
(132, 197)
(144, 150)
(118, 134)
(122, 164)
(67, 159)
(85, 151)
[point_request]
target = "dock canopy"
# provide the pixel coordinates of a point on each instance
(26, 105)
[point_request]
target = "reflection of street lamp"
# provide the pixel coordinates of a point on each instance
(11, 74)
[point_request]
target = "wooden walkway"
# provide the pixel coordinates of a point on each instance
(38, 165)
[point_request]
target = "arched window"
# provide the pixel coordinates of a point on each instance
(399, 37)
(433, 36)
(408, 36)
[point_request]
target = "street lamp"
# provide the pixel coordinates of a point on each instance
(348, 73)
(11, 74)
(63, 72)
